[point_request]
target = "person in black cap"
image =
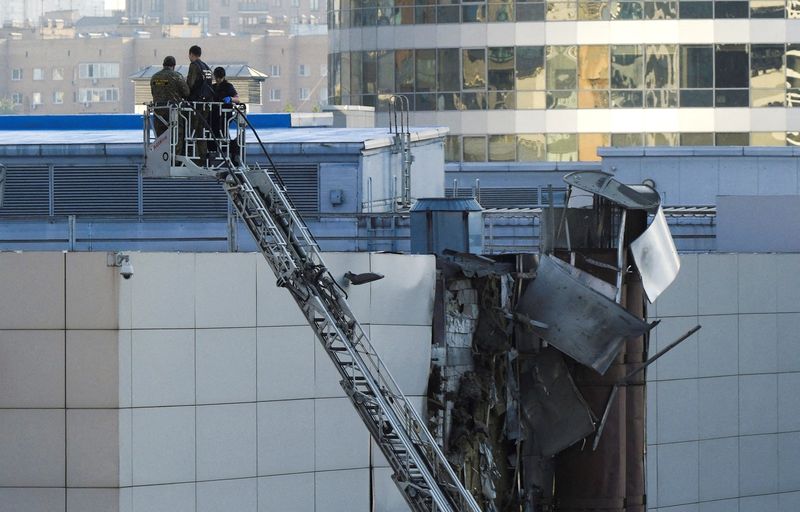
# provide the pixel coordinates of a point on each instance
(224, 92)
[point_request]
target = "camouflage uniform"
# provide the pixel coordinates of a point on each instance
(167, 86)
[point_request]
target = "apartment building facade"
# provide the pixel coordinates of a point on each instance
(216, 16)
(530, 80)
(86, 75)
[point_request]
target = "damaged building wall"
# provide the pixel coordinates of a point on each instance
(723, 419)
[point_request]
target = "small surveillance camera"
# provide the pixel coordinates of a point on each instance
(126, 270)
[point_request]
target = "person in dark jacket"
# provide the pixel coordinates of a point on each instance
(200, 90)
(224, 92)
(167, 87)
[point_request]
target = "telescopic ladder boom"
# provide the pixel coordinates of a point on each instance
(422, 473)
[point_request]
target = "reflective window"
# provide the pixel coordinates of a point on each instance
(530, 78)
(731, 65)
(561, 10)
(622, 140)
(697, 76)
(530, 68)
(425, 66)
(448, 71)
(404, 70)
(532, 10)
(501, 68)
(627, 72)
(732, 139)
(474, 149)
(369, 65)
(767, 77)
(697, 139)
(661, 10)
(694, 9)
(448, 11)
(473, 65)
(661, 76)
(500, 10)
(531, 147)
(588, 144)
(356, 77)
(561, 72)
(594, 10)
(593, 76)
(792, 75)
(562, 147)
(767, 8)
(502, 148)
(731, 9)
(452, 148)
(626, 10)
(661, 139)
(385, 71)
(473, 11)
(767, 139)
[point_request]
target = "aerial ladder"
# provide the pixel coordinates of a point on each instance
(422, 473)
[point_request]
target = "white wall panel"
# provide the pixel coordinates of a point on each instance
(285, 437)
(163, 447)
(164, 498)
(286, 362)
(33, 290)
(342, 491)
(163, 367)
(31, 368)
(92, 367)
(226, 365)
(92, 291)
(239, 495)
(287, 492)
(93, 500)
(44, 500)
(163, 290)
(405, 295)
(226, 290)
(275, 305)
(226, 441)
(32, 448)
(406, 351)
(340, 438)
(93, 448)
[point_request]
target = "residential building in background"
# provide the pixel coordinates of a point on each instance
(22, 12)
(251, 16)
(92, 74)
(554, 80)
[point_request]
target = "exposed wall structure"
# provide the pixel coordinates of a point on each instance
(723, 408)
(193, 386)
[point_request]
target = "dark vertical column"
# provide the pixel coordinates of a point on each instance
(610, 478)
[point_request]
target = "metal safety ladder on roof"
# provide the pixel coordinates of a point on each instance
(422, 473)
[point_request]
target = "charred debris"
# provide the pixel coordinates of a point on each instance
(537, 388)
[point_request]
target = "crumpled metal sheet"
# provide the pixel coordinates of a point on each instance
(656, 257)
(553, 409)
(635, 197)
(581, 322)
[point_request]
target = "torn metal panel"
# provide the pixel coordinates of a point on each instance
(636, 197)
(582, 322)
(554, 410)
(656, 257)
(474, 265)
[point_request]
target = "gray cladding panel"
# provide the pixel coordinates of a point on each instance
(746, 224)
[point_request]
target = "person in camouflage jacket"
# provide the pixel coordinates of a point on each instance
(167, 87)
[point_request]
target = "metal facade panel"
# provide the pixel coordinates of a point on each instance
(581, 322)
